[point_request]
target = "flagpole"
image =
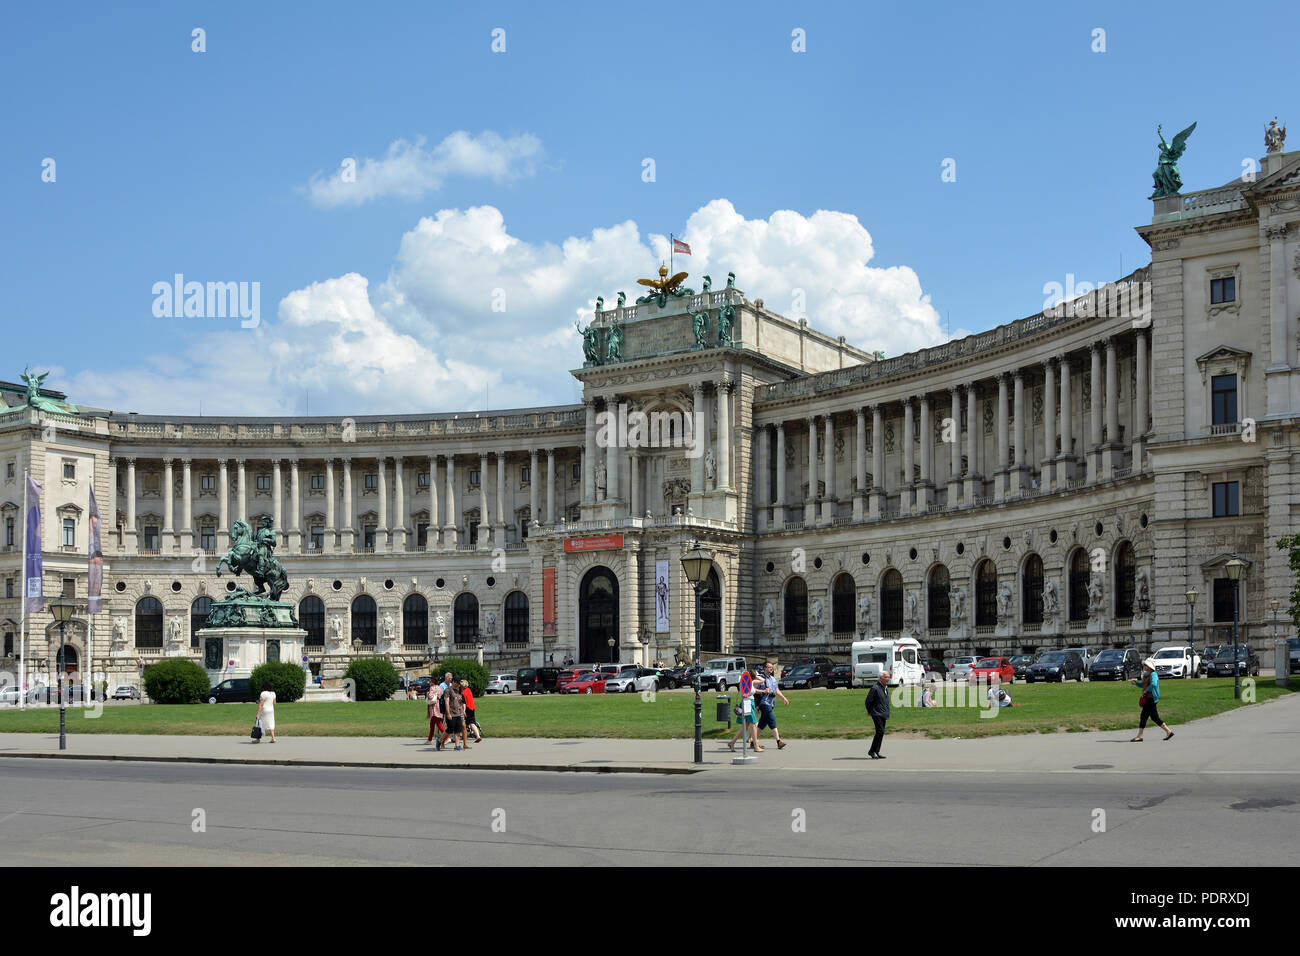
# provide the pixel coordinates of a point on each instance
(670, 255)
(22, 627)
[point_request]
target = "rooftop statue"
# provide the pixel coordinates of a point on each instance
(726, 319)
(731, 280)
(664, 287)
(1275, 137)
(708, 283)
(614, 343)
(590, 343)
(38, 401)
(700, 322)
(622, 299)
(1168, 181)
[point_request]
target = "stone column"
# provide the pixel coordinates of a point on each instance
(295, 509)
(433, 535)
(1279, 340)
(762, 477)
(223, 505)
(1004, 451)
(860, 465)
(701, 441)
(348, 542)
(277, 505)
(1113, 449)
(484, 510)
(1065, 462)
(810, 503)
(132, 533)
(550, 487)
(925, 491)
(954, 446)
(974, 433)
(723, 389)
(331, 527)
(778, 511)
(500, 528)
(1140, 401)
(611, 453)
(534, 489)
(909, 461)
(1049, 425)
(1019, 477)
(399, 504)
(633, 491)
(187, 507)
(828, 465)
(589, 461)
(167, 543)
(451, 533)
(381, 532)
(878, 489)
(242, 512)
(1094, 443)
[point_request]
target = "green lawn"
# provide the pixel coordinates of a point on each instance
(1045, 708)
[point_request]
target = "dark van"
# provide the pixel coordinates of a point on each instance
(541, 680)
(233, 691)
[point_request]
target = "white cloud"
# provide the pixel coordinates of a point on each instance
(410, 171)
(429, 337)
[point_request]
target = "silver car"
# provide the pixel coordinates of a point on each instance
(961, 668)
(501, 684)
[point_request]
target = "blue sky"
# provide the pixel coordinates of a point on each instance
(168, 161)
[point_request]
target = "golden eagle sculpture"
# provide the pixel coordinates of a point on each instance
(663, 287)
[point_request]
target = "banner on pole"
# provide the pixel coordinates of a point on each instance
(663, 622)
(95, 569)
(33, 570)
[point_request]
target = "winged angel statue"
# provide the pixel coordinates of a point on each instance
(1169, 182)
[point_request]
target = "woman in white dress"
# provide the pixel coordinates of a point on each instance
(266, 711)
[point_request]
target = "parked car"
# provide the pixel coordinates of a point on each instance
(935, 669)
(1221, 666)
(1294, 644)
(126, 692)
(685, 675)
(80, 694)
(961, 667)
(1176, 660)
(10, 694)
(841, 675)
(236, 690)
(824, 664)
(537, 680)
(632, 679)
(1207, 654)
(1086, 654)
(1056, 666)
(803, 677)
(1116, 664)
(420, 686)
(722, 672)
(590, 682)
(1020, 663)
(501, 684)
(993, 668)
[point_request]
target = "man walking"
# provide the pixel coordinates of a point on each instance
(878, 711)
(767, 705)
(455, 717)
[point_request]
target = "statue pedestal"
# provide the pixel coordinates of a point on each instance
(244, 648)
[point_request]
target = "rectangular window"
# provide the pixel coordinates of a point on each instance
(317, 537)
(577, 470)
(69, 533)
(263, 482)
(473, 533)
(372, 481)
(9, 531)
(70, 469)
(526, 474)
(369, 539)
(208, 539)
(151, 537)
(9, 470)
(9, 643)
(1223, 400)
(207, 483)
(422, 534)
(1225, 499)
(422, 479)
(317, 482)
(69, 587)
(1223, 600)
(474, 478)
(9, 587)
(1223, 290)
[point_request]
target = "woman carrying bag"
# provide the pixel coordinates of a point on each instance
(265, 720)
(1150, 684)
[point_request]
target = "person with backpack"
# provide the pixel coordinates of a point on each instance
(878, 710)
(471, 714)
(454, 706)
(433, 708)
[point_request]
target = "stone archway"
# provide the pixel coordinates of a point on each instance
(598, 616)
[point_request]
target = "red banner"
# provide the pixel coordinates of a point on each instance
(605, 543)
(548, 602)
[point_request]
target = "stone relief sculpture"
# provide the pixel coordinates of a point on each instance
(1142, 590)
(174, 630)
(710, 465)
(1097, 595)
(769, 615)
(957, 604)
(490, 624)
(1051, 600)
(119, 630)
(336, 628)
(1005, 600)
(600, 478)
(913, 612)
(864, 611)
(388, 627)
(439, 624)
(817, 614)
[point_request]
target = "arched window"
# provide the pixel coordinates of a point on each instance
(986, 594)
(1031, 590)
(415, 620)
(199, 618)
(516, 618)
(711, 613)
(891, 602)
(465, 614)
(796, 606)
(938, 610)
(1080, 576)
(1125, 580)
(311, 616)
(149, 623)
(363, 619)
(843, 593)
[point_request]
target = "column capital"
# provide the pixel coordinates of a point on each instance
(1047, 363)
(1018, 373)
(130, 460)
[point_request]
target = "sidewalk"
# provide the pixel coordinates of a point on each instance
(1256, 739)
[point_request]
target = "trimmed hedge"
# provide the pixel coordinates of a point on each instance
(469, 671)
(176, 680)
(376, 678)
(289, 681)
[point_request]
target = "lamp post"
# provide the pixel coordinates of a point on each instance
(1192, 594)
(1235, 568)
(1144, 605)
(696, 563)
(1281, 652)
(62, 609)
(610, 644)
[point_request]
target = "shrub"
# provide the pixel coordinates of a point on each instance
(470, 672)
(375, 678)
(288, 680)
(176, 680)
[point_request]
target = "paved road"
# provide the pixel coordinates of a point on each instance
(120, 813)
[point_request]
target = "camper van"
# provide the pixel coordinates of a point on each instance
(900, 656)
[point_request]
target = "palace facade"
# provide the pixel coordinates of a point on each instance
(1063, 479)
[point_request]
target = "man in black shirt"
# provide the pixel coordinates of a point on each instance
(878, 711)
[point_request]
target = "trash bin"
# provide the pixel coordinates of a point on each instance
(724, 708)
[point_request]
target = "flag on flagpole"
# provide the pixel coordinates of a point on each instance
(681, 248)
(95, 571)
(33, 567)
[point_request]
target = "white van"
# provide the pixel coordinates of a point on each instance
(901, 657)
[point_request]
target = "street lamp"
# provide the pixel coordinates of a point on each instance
(62, 610)
(1235, 568)
(1144, 605)
(1192, 594)
(1280, 651)
(696, 563)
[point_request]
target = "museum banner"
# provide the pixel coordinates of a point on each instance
(95, 568)
(548, 602)
(33, 565)
(608, 542)
(663, 623)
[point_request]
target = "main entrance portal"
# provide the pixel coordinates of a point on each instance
(598, 617)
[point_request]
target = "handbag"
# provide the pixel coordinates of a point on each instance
(256, 733)
(1145, 699)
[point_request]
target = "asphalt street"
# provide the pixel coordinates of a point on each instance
(121, 813)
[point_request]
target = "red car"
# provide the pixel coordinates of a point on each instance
(990, 669)
(588, 683)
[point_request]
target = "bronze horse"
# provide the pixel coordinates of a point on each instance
(254, 557)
